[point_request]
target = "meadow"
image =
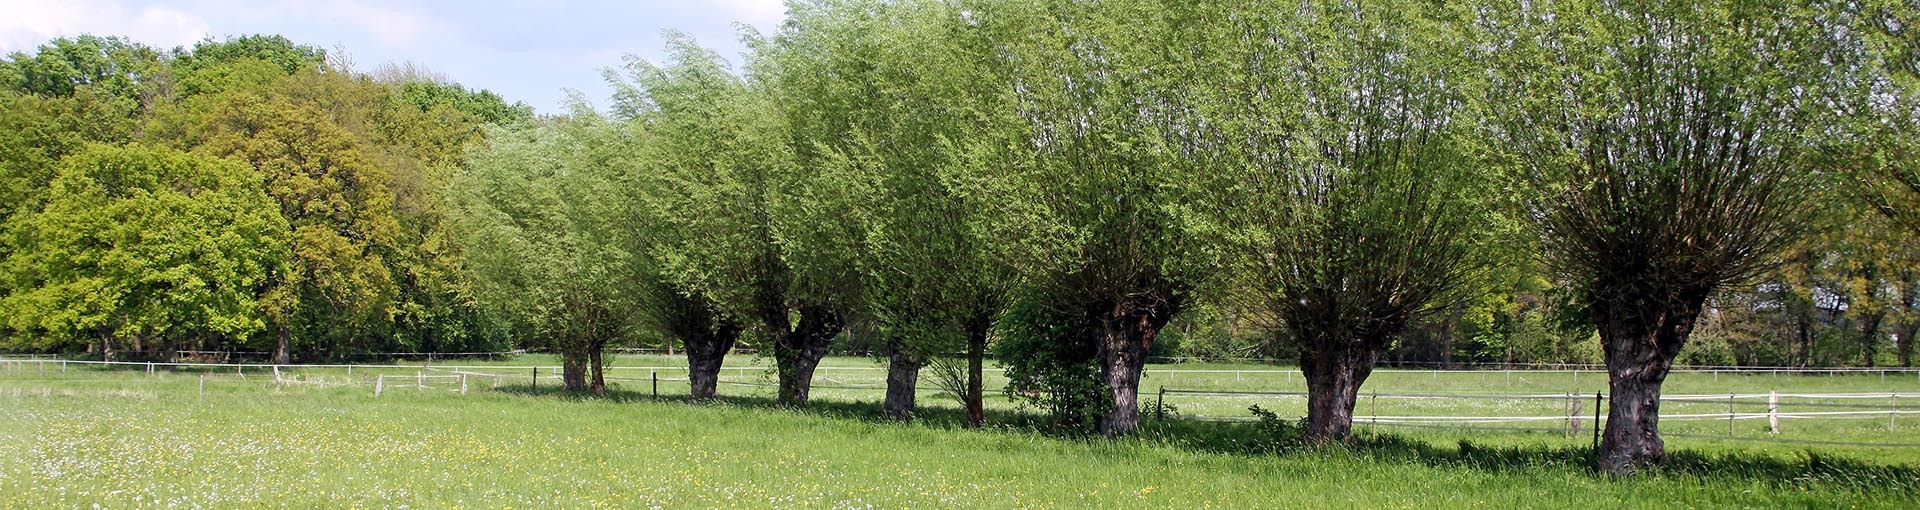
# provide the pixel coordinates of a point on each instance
(316, 437)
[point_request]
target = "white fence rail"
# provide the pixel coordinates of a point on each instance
(1796, 406)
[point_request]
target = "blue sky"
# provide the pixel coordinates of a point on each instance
(525, 50)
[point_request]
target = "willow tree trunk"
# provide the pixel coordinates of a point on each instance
(1334, 373)
(706, 353)
(903, 375)
(1640, 335)
(594, 363)
(975, 398)
(1126, 333)
(797, 352)
(573, 368)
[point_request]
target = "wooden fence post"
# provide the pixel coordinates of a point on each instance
(1596, 423)
(1573, 415)
(1373, 406)
(656, 384)
(1773, 412)
(1729, 414)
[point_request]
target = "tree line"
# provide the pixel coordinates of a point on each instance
(244, 194)
(1070, 185)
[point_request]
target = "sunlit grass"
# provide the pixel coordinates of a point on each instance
(124, 439)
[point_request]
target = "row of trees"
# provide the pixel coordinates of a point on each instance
(245, 194)
(1069, 184)
(1077, 176)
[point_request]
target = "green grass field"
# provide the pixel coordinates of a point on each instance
(122, 438)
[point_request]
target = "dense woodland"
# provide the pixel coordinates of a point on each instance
(1064, 188)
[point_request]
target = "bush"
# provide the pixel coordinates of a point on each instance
(1051, 363)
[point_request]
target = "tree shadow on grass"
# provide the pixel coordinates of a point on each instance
(1273, 437)
(867, 411)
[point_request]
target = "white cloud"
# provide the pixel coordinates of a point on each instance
(28, 24)
(762, 14)
(387, 25)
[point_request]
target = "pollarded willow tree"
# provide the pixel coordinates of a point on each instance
(1094, 203)
(531, 207)
(891, 104)
(1678, 148)
(732, 230)
(1352, 191)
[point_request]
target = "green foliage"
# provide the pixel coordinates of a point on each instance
(113, 66)
(714, 151)
(1095, 185)
(144, 244)
(278, 51)
(37, 131)
(1048, 351)
(337, 204)
(892, 105)
(483, 106)
(1744, 98)
(531, 208)
(1348, 218)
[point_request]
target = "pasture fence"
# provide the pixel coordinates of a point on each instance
(1570, 416)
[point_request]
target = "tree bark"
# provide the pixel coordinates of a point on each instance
(706, 352)
(1126, 333)
(1632, 436)
(599, 384)
(903, 375)
(573, 368)
(797, 352)
(283, 347)
(1334, 373)
(975, 398)
(1640, 335)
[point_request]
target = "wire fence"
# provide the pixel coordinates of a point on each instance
(1573, 413)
